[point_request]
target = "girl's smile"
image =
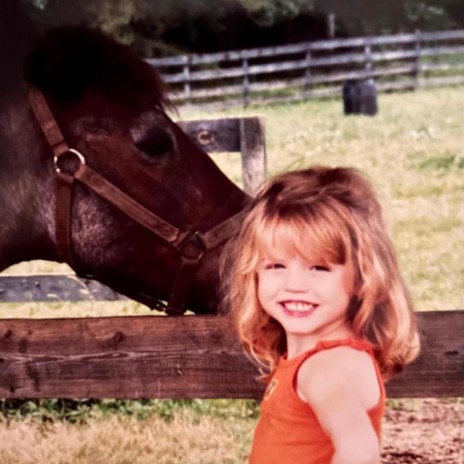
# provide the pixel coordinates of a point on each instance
(309, 299)
(298, 308)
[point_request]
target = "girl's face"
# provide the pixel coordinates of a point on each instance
(309, 299)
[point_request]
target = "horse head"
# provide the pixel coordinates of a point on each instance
(110, 108)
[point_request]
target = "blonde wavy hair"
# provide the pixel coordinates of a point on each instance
(333, 215)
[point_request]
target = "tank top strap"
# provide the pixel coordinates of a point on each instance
(294, 363)
(356, 343)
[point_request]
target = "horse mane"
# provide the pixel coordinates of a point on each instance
(67, 61)
(17, 33)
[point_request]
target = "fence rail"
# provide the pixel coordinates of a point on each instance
(161, 357)
(188, 357)
(315, 69)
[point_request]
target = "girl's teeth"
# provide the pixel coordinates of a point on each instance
(298, 306)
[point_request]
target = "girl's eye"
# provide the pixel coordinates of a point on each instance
(319, 268)
(274, 266)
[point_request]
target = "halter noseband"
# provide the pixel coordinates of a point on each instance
(191, 246)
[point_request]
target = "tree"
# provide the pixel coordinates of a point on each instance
(166, 27)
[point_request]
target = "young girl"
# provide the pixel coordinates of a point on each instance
(314, 288)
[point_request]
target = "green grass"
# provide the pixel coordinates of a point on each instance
(413, 153)
(81, 411)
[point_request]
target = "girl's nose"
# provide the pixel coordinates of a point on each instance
(297, 281)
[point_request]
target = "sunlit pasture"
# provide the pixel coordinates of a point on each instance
(413, 151)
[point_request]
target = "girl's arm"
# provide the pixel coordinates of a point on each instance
(336, 391)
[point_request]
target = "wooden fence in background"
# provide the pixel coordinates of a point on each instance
(315, 69)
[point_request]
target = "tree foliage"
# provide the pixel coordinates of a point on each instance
(389, 16)
(168, 27)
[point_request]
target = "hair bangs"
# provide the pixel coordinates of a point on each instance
(315, 238)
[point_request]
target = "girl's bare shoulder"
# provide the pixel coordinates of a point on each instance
(340, 368)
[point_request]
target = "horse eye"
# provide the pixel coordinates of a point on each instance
(155, 144)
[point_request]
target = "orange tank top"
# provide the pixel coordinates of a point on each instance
(288, 431)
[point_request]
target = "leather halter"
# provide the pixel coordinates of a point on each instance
(190, 246)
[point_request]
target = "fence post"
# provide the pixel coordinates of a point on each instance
(368, 56)
(330, 22)
(307, 78)
(187, 87)
(253, 152)
(246, 83)
(417, 61)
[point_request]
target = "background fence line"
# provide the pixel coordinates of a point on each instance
(315, 69)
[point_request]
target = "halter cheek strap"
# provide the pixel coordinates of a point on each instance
(191, 246)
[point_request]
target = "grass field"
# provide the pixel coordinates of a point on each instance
(413, 151)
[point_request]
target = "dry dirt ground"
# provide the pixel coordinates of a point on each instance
(430, 433)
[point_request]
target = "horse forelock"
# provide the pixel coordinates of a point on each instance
(68, 61)
(17, 33)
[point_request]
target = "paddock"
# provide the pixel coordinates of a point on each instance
(407, 149)
(191, 357)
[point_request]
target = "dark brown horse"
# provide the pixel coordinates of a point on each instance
(110, 106)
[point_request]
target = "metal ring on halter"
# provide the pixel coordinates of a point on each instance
(56, 158)
(191, 246)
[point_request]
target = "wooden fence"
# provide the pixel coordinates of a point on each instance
(315, 69)
(163, 357)
(244, 135)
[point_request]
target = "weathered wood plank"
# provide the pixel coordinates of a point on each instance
(214, 135)
(126, 357)
(324, 92)
(244, 135)
(332, 44)
(189, 357)
(49, 288)
(439, 371)
(253, 152)
(302, 63)
(362, 74)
